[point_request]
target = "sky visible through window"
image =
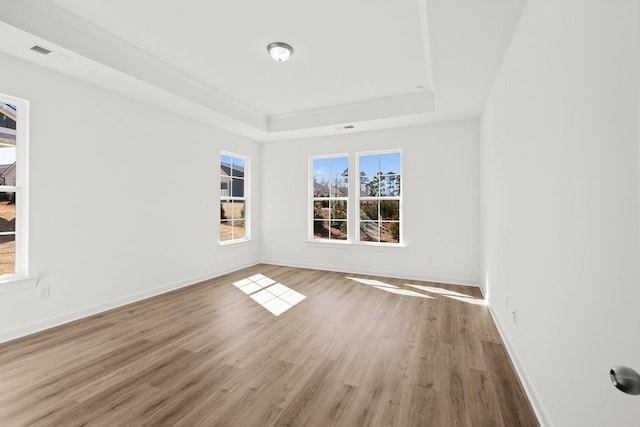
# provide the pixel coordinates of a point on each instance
(385, 163)
(370, 165)
(324, 168)
(226, 160)
(7, 155)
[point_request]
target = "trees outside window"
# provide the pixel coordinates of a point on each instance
(330, 201)
(379, 197)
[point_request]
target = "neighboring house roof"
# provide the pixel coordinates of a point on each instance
(8, 170)
(7, 124)
(225, 170)
(8, 110)
(5, 168)
(8, 174)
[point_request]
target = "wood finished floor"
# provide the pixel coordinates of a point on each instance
(350, 354)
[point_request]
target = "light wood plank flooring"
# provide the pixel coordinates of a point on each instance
(374, 352)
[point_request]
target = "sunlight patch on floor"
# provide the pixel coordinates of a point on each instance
(371, 282)
(438, 290)
(426, 290)
(447, 293)
(275, 297)
(405, 292)
(393, 289)
(469, 300)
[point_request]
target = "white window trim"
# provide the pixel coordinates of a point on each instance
(311, 198)
(401, 241)
(21, 279)
(246, 199)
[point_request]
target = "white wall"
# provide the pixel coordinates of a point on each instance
(560, 206)
(440, 204)
(123, 199)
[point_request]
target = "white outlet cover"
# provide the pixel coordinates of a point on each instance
(43, 292)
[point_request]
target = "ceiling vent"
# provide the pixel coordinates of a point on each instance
(41, 50)
(50, 53)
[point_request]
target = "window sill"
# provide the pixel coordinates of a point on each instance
(382, 245)
(348, 243)
(329, 242)
(240, 242)
(17, 283)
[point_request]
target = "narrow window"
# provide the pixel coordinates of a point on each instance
(13, 152)
(329, 204)
(234, 190)
(379, 197)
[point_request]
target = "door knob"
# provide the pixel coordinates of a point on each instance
(625, 379)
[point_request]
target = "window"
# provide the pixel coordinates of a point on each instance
(13, 153)
(329, 204)
(379, 197)
(234, 188)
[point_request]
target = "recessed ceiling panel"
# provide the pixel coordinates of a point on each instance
(344, 51)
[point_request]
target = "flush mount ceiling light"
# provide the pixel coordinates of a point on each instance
(280, 51)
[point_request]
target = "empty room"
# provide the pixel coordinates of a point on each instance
(338, 213)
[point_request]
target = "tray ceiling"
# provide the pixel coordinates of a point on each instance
(371, 63)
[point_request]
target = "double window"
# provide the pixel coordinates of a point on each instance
(234, 189)
(376, 195)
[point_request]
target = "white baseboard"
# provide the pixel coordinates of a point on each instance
(376, 272)
(51, 322)
(539, 410)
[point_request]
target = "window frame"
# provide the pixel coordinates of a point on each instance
(312, 199)
(246, 198)
(21, 187)
(359, 198)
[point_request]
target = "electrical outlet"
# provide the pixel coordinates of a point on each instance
(514, 313)
(43, 292)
